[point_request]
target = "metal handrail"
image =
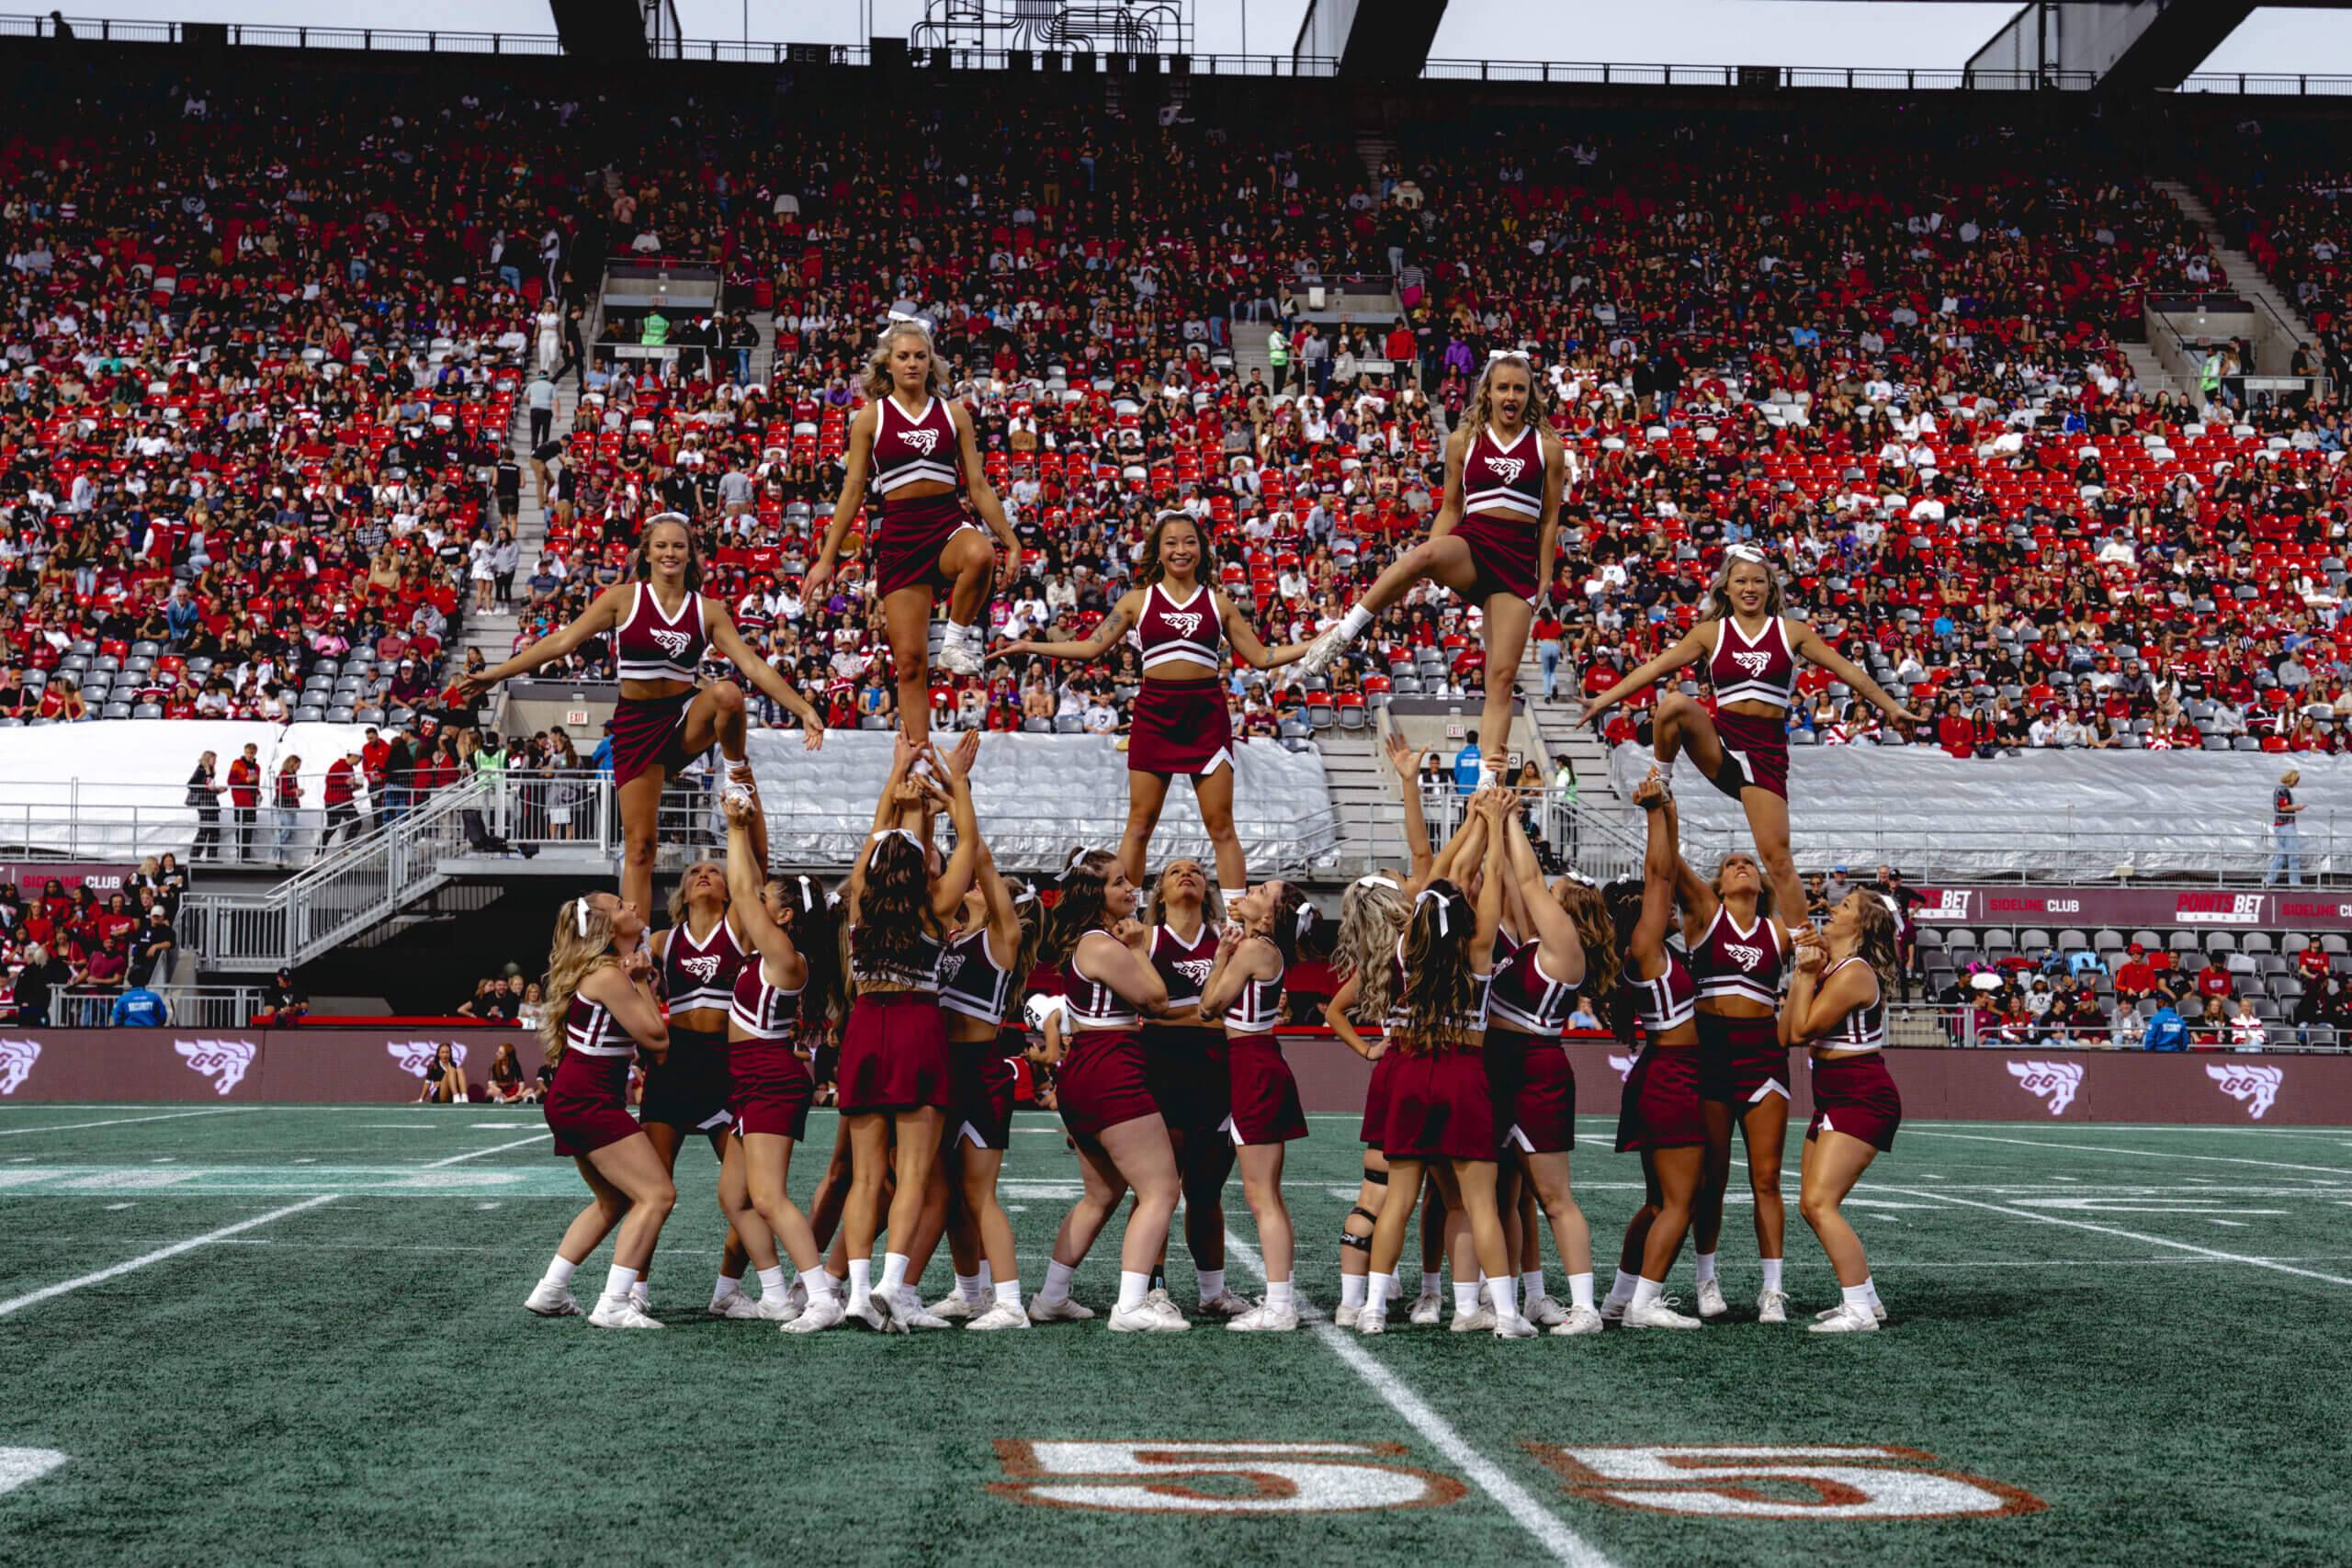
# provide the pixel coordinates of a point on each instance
(1958, 1025)
(190, 1007)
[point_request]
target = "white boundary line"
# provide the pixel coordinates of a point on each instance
(121, 1120)
(538, 1137)
(2147, 1154)
(2129, 1236)
(1560, 1543)
(47, 1293)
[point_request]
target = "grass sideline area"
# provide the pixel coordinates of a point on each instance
(282, 1334)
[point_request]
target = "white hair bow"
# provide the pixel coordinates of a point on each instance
(911, 319)
(581, 904)
(1444, 927)
(898, 833)
(1374, 879)
(1743, 552)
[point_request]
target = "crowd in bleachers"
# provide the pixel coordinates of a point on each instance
(66, 956)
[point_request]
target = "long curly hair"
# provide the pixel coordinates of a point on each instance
(1718, 603)
(1286, 929)
(1079, 909)
(1372, 917)
(1148, 567)
(1875, 940)
(894, 912)
(1438, 982)
(877, 364)
(581, 945)
(1604, 964)
(1033, 930)
(1539, 414)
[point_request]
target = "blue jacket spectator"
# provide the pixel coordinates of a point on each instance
(140, 1008)
(2165, 1030)
(1465, 767)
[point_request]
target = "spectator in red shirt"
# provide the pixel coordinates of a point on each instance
(2213, 983)
(2136, 980)
(342, 789)
(244, 797)
(2313, 960)
(1549, 630)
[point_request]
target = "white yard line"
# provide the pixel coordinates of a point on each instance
(124, 1120)
(538, 1137)
(47, 1292)
(1560, 1543)
(2111, 1149)
(2207, 1252)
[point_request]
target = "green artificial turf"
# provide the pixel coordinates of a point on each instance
(356, 1382)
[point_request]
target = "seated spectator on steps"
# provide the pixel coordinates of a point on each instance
(444, 1081)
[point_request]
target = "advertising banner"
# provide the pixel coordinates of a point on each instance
(2309, 911)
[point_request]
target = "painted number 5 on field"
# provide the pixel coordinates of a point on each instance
(1217, 1478)
(1815, 1481)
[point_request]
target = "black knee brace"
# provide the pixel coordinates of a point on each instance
(1378, 1177)
(1349, 1238)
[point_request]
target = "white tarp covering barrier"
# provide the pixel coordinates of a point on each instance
(118, 787)
(2063, 814)
(1039, 795)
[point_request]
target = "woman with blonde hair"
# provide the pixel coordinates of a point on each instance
(918, 450)
(1492, 541)
(601, 1010)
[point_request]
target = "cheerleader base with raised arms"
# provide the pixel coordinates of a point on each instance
(587, 1103)
(770, 1088)
(1185, 1069)
(689, 1089)
(1103, 1083)
(1439, 1107)
(1266, 1109)
(1659, 1108)
(894, 1053)
(979, 1100)
(1856, 1096)
(1741, 1060)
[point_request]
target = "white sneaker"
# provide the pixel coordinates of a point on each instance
(955, 654)
(820, 1313)
(1145, 1319)
(738, 1305)
(1659, 1313)
(1227, 1304)
(1477, 1322)
(1265, 1319)
(1514, 1328)
(1771, 1306)
(641, 1296)
(1845, 1318)
(997, 1316)
(735, 792)
(1878, 1313)
(1161, 1302)
(551, 1301)
(1429, 1308)
(1546, 1313)
(620, 1312)
(775, 1306)
(1372, 1321)
(1320, 653)
(871, 1313)
(1346, 1316)
(907, 1311)
(1711, 1300)
(798, 1295)
(1577, 1320)
(955, 1308)
(1613, 1309)
(1063, 1311)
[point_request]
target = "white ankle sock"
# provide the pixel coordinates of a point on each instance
(1530, 1284)
(1646, 1291)
(1008, 1293)
(1506, 1293)
(559, 1270)
(1772, 1273)
(1278, 1294)
(837, 1282)
(1133, 1287)
(618, 1281)
(1430, 1280)
(969, 1288)
(1706, 1266)
(820, 1283)
(1622, 1290)
(1212, 1284)
(724, 1287)
(1465, 1298)
(771, 1280)
(1057, 1278)
(1352, 1290)
(1858, 1295)
(1381, 1290)
(861, 1281)
(1872, 1288)
(894, 1272)
(1580, 1290)
(1352, 624)
(985, 1276)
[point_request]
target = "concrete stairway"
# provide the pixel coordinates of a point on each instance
(2245, 278)
(1364, 794)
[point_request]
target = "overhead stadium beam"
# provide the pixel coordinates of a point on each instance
(1371, 39)
(2136, 45)
(616, 30)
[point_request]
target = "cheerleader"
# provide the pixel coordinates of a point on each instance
(1837, 1005)
(1492, 541)
(658, 625)
(1104, 1097)
(769, 1086)
(601, 1008)
(1181, 622)
(917, 446)
(1246, 987)
(1441, 1112)
(1567, 935)
(1658, 1116)
(893, 1079)
(1186, 1067)
(1751, 647)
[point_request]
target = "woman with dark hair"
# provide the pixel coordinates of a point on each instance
(444, 1081)
(1838, 1006)
(1245, 988)
(1181, 725)
(204, 793)
(660, 625)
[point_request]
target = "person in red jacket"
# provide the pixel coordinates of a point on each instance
(244, 797)
(342, 788)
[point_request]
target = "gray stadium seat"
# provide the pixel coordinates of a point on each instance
(1036, 726)
(368, 716)
(1068, 724)
(339, 715)
(2074, 940)
(1319, 715)
(875, 720)
(1353, 717)
(149, 710)
(2330, 942)
(116, 710)
(1959, 938)
(2033, 940)
(2221, 942)
(2293, 943)
(301, 715)
(2256, 942)
(2106, 941)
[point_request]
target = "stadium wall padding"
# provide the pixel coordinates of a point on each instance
(361, 1065)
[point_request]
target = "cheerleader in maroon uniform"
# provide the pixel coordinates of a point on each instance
(769, 1087)
(601, 1008)
(1181, 727)
(1246, 987)
(1568, 940)
(1493, 540)
(1837, 1005)
(658, 625)
(917, 446)
(1104, 1097)
(894, 1076)
(1658, 1116)
(1440, 1111)
(1751, 648)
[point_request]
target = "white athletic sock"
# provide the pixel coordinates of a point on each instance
(1352, 624)
(1530, 1284)
(1352, 1290)
(1278, 1294)
(1429, 1280)
(1858, 1295)
(1772, 1273)
(1646, 1291)
(1872, 1288)
(969, 1288)
(985, 1276)
(559, 1270)
(1505, 1294)
(1133, 1287)
(1008, 1293)
(861, 1282)
(820, 1283)
(1212, 1284)
(1057, 1278)
(837, 1282)
(771, 1280)
(1706, 1264)
(1622, 1290)
(1580, 1290)
(1465, 1298)
(1381, 1289)
(722, 1288)
(894, 1273)
(618, 1281)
